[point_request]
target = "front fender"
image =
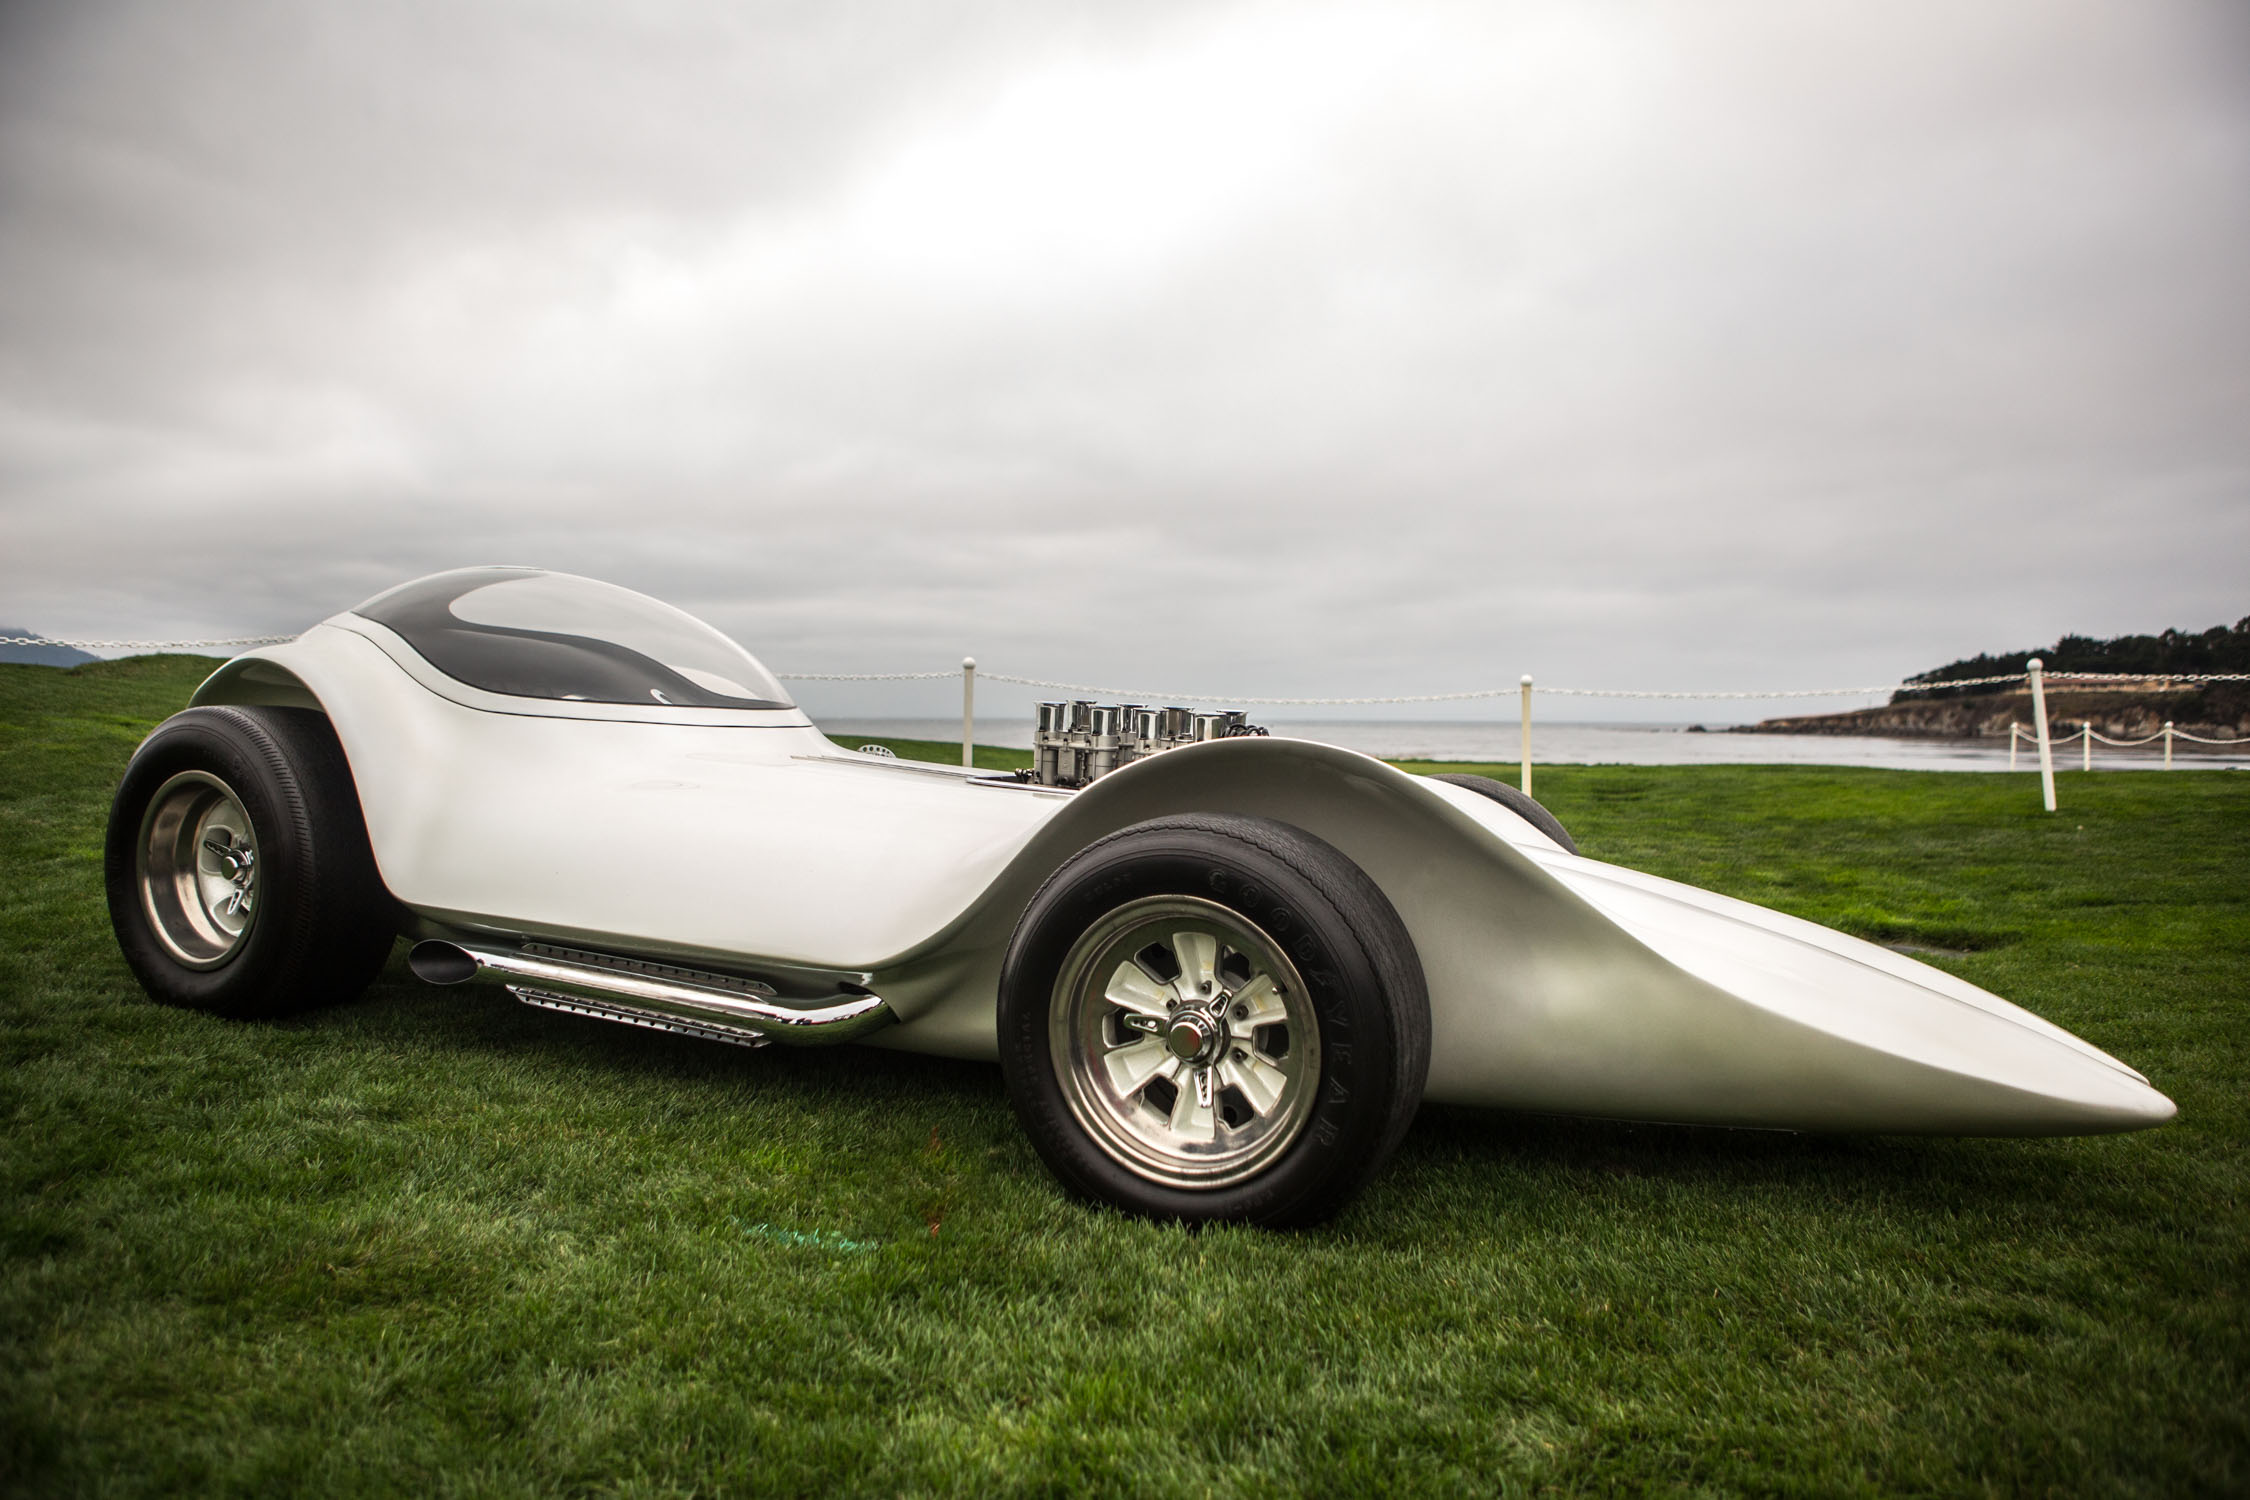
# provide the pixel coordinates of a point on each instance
(1562, 984)
(1501, 940)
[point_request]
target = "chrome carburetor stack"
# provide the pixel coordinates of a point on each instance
(1075, 743)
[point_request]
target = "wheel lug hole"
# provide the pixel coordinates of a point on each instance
(1242, 1012)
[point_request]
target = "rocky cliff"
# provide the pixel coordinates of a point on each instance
(2124, 711)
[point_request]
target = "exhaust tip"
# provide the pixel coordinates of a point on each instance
(435, 961)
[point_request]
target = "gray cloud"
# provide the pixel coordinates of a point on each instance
(1280, 349)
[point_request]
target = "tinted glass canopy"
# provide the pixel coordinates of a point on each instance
(533, 634)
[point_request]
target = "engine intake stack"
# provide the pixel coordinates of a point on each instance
(1075, 743)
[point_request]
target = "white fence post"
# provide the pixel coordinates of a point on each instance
(2035, 669)
(2167, 744)
(2015, 733)
(1526, 734)
(968, 710)
(2086, 738)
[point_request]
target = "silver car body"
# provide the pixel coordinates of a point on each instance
(743, 840)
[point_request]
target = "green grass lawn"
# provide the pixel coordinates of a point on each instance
(435, 1242)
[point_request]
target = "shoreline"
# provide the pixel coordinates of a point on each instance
(2215, 711)
(1555, 743)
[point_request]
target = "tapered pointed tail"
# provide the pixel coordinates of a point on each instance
(1775, 1021)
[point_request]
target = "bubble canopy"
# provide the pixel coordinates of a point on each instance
(533, 634)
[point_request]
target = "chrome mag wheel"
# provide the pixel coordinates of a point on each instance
(237, 868)
(1185, 1042)
(198, 869)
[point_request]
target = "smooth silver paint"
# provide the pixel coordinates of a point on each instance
(1562, 984)
(1556, 983)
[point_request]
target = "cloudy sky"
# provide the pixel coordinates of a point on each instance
(1280, 348)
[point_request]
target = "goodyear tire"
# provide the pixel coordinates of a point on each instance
(1214, 1017)
(239, 876)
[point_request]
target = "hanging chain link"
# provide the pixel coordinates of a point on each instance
(1153, 695)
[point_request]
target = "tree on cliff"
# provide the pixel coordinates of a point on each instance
(2222, 648)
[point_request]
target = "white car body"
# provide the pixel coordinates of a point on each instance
(745, 841)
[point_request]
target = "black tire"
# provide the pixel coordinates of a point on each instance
(1286, 908)
(316, 923)
(1517, 801)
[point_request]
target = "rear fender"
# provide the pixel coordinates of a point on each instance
(256, 681)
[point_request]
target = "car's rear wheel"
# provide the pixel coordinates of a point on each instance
(1214, 1018)
(237, 865)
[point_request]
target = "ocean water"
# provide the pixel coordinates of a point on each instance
(1612, 744)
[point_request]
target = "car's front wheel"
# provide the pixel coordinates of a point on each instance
(1214, 1018)
(1516, 801)
(238, 870)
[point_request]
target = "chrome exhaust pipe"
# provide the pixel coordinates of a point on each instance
(642, 991)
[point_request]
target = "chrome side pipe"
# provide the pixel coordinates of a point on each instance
(627, 989)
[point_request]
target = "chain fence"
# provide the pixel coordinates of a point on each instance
(1864, 690)
(1465, 695)
(1174, 695)
(865, 676)
(2034, 679)
(1684, 695)
(237, 640)
(2090, 733)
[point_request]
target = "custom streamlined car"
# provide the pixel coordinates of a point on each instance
(1219, 970)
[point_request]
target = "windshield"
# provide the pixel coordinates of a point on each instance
(531, 634)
